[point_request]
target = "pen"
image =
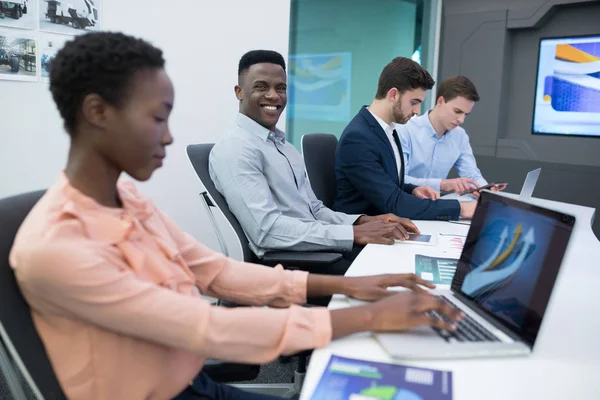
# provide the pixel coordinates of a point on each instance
(461, 222)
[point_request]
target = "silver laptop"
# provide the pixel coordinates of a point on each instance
(503, 283)
(529, 184)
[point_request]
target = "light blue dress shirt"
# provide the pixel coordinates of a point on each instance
(262, 177)
(428, 158)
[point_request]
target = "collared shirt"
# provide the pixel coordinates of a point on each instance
(389, 132)
(262, 177)
(428, 158)
(115, 296)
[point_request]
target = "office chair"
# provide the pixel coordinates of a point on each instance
(318, 150)
(305, 260)
(23, 356)
(211, 198)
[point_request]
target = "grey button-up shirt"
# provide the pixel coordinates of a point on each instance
(262, 177)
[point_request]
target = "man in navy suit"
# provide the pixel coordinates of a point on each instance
(369, 165)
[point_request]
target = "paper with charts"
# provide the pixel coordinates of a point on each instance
(350, 379)
(451, 244)
(436, 270)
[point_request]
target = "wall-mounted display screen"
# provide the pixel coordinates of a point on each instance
(567, 95)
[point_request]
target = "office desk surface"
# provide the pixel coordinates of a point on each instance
(565, 363)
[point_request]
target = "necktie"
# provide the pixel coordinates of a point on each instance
(401, 168)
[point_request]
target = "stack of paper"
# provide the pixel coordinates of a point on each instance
(346, 378)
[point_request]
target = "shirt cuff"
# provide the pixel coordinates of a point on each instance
(345, 236)
(323, 331)
(299, 286)
(481, 182)
(351, 220)
(434, 183)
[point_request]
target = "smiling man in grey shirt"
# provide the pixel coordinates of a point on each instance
(262, 177)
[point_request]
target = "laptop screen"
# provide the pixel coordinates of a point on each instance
(510, 261)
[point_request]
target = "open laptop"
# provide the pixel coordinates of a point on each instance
(529, 184)
(503, 283)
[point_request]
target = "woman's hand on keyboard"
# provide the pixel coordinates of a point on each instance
(399, 312)
(409, 310)
(375, 287)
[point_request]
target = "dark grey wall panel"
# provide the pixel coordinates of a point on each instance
(495, 43)
(458, 7)
(581, 19)
(480, 49)
(534, 13)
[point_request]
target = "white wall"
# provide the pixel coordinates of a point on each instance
(202, 41)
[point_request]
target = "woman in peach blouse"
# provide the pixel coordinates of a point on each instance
(114, 285)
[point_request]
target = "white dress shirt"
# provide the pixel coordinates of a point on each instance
(389, 132)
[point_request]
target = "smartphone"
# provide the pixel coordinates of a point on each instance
(491, 185)
(414, 238)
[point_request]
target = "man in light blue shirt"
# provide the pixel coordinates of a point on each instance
(434, 142)
(262, 177)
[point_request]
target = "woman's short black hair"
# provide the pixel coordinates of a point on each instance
(102, 63)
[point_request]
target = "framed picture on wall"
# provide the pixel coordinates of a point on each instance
(18, 58)
(319, 86)
(19, 14)
(73, 17)
(49, 46)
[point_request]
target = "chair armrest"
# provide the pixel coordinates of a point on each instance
(300, 258)
(225, 372)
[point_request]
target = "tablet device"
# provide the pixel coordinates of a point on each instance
(414, 238)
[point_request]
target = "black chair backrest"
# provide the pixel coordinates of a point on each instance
(14, 311)
(318, 150)
(198, 154)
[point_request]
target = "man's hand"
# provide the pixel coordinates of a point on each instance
(371, 288)
(405, 222)
(493, 189)
(425, 192)
(380, 232)
(457, 185)
(467, 209)
(399, 312)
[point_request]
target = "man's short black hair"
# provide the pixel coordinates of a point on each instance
(457, 86)
(102, 63)
(259, 57)
(403, 74)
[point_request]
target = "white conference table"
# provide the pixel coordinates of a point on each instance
(565, 363)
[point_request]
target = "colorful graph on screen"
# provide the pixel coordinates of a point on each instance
(568, 87)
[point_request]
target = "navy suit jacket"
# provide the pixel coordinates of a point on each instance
(367, 179)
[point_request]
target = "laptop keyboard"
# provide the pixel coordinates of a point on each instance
(467, 330)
